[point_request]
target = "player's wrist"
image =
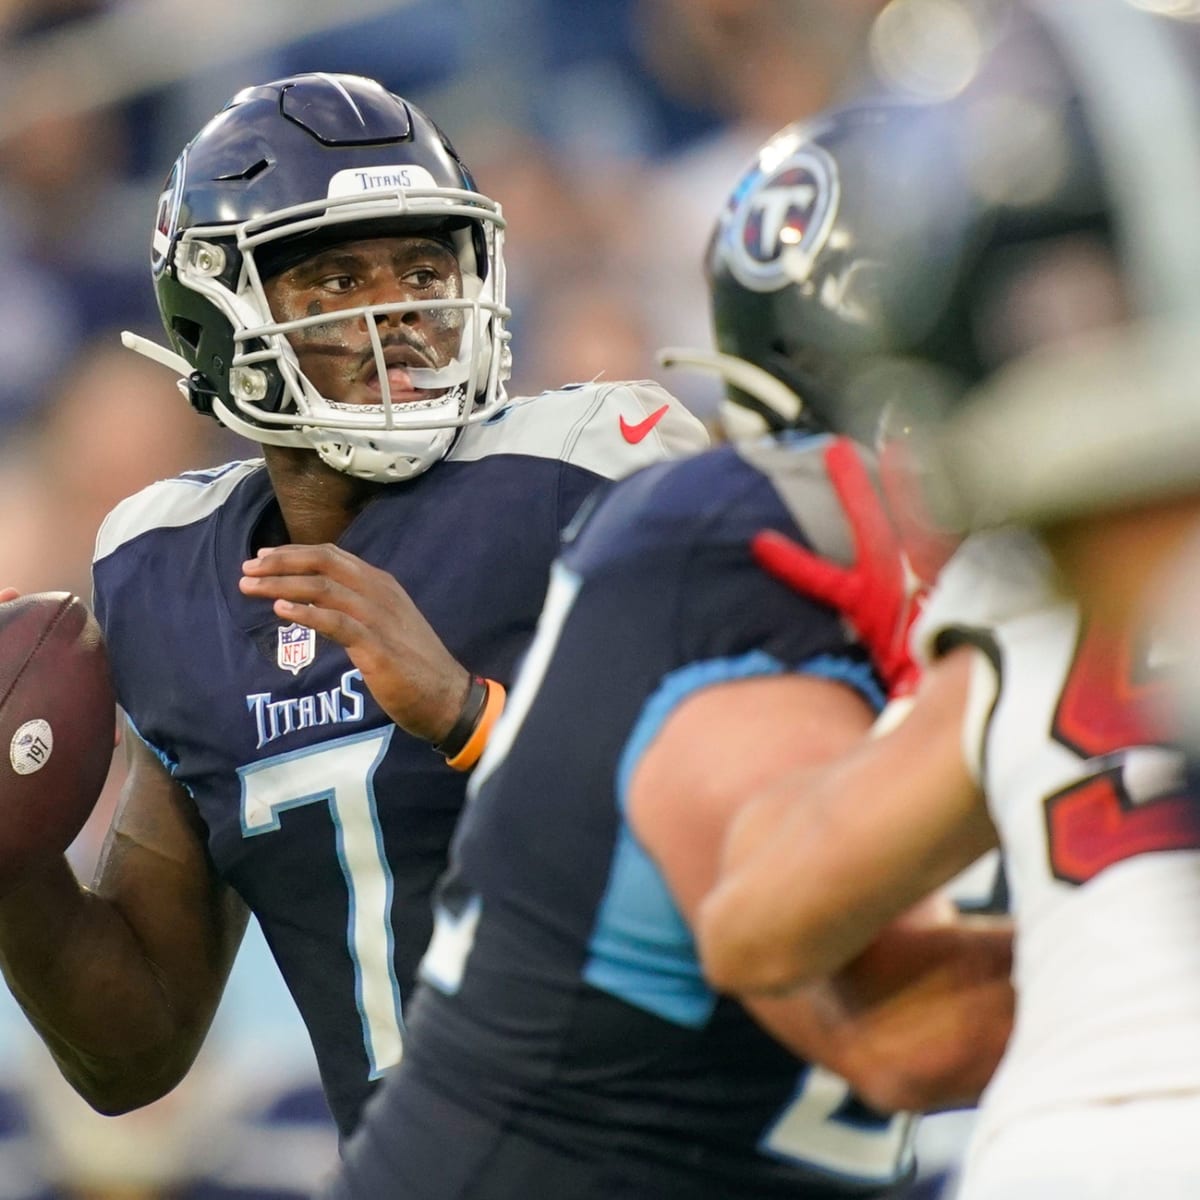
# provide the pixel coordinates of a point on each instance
(465, 742)
(469, 710)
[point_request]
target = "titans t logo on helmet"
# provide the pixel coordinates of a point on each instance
(782, 213)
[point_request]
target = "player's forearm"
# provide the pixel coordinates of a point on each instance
(928, 1012)
(796, 913)
(750, 943)
(863, 840)
(77, 970)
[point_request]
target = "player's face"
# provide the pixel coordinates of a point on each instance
(337, 355)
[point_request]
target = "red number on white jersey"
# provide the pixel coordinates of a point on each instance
(1132, 802)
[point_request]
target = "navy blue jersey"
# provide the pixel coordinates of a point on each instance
(331, 823)
(564, 1028)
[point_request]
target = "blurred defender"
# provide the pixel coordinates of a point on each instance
(1030, 728)
(1094, 442)
(311, 646)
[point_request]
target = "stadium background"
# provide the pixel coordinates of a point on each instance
(610, 131)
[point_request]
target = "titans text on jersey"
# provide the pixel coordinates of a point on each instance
(273, 718)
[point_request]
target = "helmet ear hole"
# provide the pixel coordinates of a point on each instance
(188, 332)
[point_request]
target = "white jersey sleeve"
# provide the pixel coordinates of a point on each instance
(994, 576)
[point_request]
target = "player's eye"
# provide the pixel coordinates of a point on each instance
(422, 277)
(336, 283)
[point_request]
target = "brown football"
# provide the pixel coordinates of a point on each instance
(57, 718)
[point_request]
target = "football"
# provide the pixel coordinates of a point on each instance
(57, 725)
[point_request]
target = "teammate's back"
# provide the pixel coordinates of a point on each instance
(562, 1002)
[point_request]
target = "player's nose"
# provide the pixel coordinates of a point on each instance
(392, 290)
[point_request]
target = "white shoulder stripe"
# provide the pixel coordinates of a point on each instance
(171, 503)
(609, 429)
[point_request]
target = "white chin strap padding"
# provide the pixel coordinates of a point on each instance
(382, 457)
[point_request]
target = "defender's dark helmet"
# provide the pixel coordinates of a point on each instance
(282, 171)
(901, 248)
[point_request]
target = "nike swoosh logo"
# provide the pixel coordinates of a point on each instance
(634, 433)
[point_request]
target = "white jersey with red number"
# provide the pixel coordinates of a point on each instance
(1101, 848)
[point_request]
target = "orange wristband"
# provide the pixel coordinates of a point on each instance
(469, 755)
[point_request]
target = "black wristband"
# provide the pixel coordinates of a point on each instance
(468, 718)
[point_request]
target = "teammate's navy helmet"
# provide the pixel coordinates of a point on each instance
(903, 247)
(283, 170)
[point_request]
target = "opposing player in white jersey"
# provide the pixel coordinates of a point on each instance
(1027, 732)
(1101, 1080)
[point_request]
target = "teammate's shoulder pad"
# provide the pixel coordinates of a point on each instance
(170, 503)
(794, 462)
(609, 429)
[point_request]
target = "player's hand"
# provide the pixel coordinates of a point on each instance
(411, 674)
(878, 595)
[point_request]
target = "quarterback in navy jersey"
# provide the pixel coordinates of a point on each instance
(311, 647)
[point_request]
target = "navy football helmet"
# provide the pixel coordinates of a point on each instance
(284, 170)
(891, 254)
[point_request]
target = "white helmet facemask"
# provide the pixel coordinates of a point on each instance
(393, 440)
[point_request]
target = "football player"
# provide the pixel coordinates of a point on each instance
(564, 1040)
(312, 646)
(1095, 442)
(1029, 729)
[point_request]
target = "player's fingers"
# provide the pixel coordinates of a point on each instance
(324, 559)
(317, 590)
(800, 569)
(332, 579)
(7, 594)
(870, 526)
(333, 623)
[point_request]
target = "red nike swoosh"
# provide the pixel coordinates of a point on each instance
(634, 433)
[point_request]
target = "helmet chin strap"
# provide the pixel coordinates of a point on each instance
(751, 379)
(156, 353)
(390, 455)
(382, 458)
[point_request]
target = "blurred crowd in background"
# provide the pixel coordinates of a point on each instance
(610, 132)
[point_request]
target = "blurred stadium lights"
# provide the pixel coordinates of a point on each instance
(1170, 8)
(928, 48)
(141, 45)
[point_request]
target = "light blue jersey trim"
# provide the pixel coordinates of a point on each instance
(857, 675)
(168, 762)
(641, 949)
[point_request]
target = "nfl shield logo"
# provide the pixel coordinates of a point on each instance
(297, 646)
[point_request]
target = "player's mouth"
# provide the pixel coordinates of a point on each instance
(397, 360)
